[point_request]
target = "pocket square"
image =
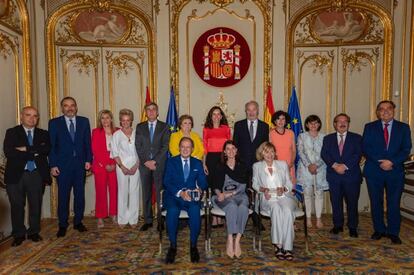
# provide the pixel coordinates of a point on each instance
(195, 170)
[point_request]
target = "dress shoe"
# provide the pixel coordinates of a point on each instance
(160, 226)
(353, 233)
(195, 257)
(145, 227)
(336, 230)
(18, 241)
(80, 227)
(395, 239)
(35, 237)
(172, 251)
(61, 232)
(378, 235)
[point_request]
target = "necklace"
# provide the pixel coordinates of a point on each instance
(279, 132)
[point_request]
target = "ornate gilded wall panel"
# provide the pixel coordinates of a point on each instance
(176, 8)
(341, 23)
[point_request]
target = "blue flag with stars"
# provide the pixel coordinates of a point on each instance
(172, 115)
(295, 120)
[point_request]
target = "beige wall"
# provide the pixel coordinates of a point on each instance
(197, 97)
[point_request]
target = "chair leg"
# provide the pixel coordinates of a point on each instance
(160, 221)
(305, 230)
(259, 232)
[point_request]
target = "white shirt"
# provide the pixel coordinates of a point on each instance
(124, 148)
(255, 123)
(338, 136)
(67, 119)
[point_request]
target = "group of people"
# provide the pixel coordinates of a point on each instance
(129, 164)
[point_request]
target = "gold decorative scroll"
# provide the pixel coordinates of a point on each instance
(8, 48)
(176, 7)
(355, 61)
(122, 64)
(320, 63)
(83, 62)
(379, 32)
(11, 18)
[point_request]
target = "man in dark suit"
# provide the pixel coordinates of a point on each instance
(27, 170)
(70, 156)
(248, 134)
(386, 145)
(183, 175)
(151, 142)
(342, 152)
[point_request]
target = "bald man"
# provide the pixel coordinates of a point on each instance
(26, 148)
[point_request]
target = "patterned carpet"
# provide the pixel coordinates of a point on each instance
(124, 251)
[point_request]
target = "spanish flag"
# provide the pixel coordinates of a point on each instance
(269, 109)
(147, 100)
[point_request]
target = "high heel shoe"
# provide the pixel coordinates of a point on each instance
(100, 223)
(237, 250)
(319, 223)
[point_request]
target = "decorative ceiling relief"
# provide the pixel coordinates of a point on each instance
(9, 15)
(101, 27)
(339, 26)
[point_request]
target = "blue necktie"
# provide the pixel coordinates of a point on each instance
(72, 130)
(151, 132)
(186, 169)
(30, 164)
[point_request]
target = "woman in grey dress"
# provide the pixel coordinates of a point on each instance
(311, 168)
(231, 177)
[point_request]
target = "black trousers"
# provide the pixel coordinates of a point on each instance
(30, 186)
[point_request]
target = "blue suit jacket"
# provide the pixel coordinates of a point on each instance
(61, 153)
(373, 144)
(351, 156)
(174, 177)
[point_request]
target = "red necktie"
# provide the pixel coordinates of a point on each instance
(386, 135)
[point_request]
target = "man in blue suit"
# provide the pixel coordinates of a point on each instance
(70, 156)
(342, 152)
(184, 175)
(386, 145)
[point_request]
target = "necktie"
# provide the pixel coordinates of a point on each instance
(30, 163)
(251, 131)
(186, 169)
(386, 135)
(151, 132)
(72, 130)
(341, 144)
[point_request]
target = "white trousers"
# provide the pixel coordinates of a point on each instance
(309, 193)
(129, 195)
(282, 216)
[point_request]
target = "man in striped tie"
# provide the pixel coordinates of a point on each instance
(342, 152)
(26, 148)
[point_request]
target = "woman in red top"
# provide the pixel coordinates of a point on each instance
(103, 168)
(215, 133)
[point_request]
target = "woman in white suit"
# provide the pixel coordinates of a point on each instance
(271, 179)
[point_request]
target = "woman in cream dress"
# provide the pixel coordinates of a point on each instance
(126, 157)
(271, 179)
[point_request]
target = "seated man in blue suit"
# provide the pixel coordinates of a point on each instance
(183, 175)
(342, 152)
(386, 144)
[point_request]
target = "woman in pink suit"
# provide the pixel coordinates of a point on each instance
(103, 168)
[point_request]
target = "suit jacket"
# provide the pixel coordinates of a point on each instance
(174, 177)
(63, 148)
(373, 145)
(101, 155)
(351, 156)
(17, 160)
(158, 148)
(246, 147)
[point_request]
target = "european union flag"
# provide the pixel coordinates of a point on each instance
(172, 115)
(295, 120)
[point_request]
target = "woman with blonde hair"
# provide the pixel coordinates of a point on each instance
(126, 157)
(103, 168)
